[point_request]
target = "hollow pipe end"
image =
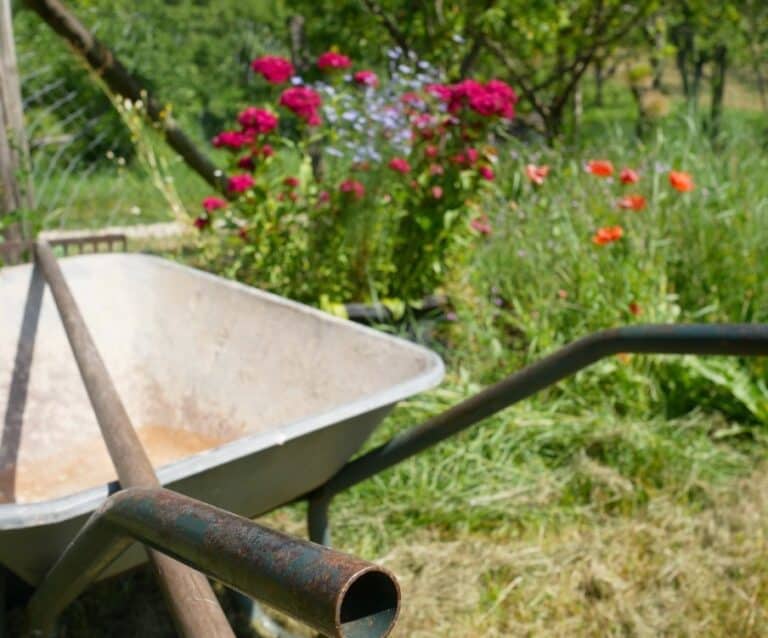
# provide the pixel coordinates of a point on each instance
(369, 605)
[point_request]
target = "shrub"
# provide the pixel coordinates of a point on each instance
(346, 188)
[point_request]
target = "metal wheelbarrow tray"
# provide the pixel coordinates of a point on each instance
(243, 399)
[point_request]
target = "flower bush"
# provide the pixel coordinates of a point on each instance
(349, 188)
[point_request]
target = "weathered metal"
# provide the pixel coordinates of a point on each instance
(280, 395)
(191, 600)
(334, 593)
(698, 339)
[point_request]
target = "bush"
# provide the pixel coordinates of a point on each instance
(355, 190)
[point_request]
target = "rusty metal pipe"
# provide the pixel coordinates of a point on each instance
(193, 605)
(334, 593)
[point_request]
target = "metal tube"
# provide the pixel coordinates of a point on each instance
(334, 593)
(701, 339)
(193, 605)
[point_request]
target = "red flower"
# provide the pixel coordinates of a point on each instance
(304, 102)
(632, 202)
(459, 159)
(239, 183)
(211, 204)
(681, 181)
(323, 196)
(353, 187)
(486, 172)
(410, 98)
(332, 60)
(537, 174)
(202, 222)
(600, 168)
(246, 162)
(436, 169)
(430, 150)
(493, 98)
(440, 91)
(274, 69)
(259, 121)
(292, 182)
(366, 78)
(400, 165)
(437, 192)
(607, 235)
(472, 155)
(635, 309)
(481, 225)
(628, 176)
(232, 139)
(266, 151)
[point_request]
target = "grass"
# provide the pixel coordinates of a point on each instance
(628, 501)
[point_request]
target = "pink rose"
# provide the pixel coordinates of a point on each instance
(352, 187)
(240, 183)
(366, 78)
(259, 121)
(332, 60)
(400, 165)
(211, 204)
(274, 69)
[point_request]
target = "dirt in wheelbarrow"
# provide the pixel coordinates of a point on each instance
(87, 464)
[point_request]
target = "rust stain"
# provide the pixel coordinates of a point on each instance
(87, 464)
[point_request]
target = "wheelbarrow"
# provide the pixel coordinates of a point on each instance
(243, 400)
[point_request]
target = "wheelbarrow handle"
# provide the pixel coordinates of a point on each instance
(336, 594)
(697, 339)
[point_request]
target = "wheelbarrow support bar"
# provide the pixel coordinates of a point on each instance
(334, 593)
(697, 339)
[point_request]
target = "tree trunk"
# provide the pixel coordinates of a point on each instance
(15, 187)
(720, 63)
(103, 61)
(695, 85)
(298, 38)
(599, 70)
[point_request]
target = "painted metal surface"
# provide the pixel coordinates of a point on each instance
(696, 339)
(248, 390)
(334, 593)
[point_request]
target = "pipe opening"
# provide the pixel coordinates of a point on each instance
(370, 606)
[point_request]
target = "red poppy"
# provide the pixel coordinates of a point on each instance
(632, 202)
(537, 174)
(293, 182)
(681, 181)
(607, 235)
(600, 168)
(628, 176)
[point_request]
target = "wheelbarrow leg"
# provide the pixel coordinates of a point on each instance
(258, 619)
(317, 518)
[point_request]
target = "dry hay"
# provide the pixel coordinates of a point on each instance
(668, 571)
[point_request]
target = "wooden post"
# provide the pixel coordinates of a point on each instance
(15, 189)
